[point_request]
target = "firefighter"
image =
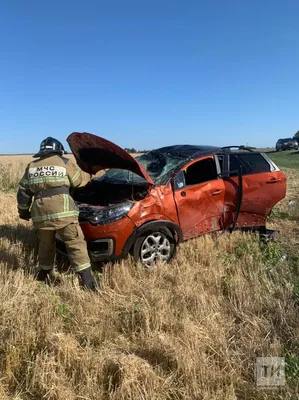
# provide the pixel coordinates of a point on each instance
(47, 181)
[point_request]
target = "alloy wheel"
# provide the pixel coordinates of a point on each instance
(155, 247)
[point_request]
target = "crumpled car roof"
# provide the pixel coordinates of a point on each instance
(186, 150)
(165, 162)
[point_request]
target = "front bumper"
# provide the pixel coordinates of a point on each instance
(104, 242)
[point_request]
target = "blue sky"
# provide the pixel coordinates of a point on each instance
(146, 74)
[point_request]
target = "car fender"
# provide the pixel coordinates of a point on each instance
(151, 226)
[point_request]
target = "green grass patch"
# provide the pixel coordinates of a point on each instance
(292, 213)
(62, 308)
(291, 356)
(285, 159)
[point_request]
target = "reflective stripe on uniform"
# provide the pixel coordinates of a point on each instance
(77, 175)
(24, 182)
(66, 202)
(54, 216)
(47, 179)
(46, 267)
(82, 267)
(21, 207)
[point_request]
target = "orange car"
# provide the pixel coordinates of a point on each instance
(147, 205)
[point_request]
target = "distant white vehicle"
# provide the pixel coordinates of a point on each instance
(286, 144)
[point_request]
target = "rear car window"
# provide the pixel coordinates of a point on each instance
(252, 163)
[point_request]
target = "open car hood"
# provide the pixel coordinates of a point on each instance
(94, 153)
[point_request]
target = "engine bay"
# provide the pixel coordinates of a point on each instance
(97, 193)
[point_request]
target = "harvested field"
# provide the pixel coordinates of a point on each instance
(191, 329)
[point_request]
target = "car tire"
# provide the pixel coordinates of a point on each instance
(153, 246)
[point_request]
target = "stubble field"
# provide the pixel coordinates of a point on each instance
(188, 330)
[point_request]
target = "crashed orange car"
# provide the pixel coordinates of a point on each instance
(147, 205)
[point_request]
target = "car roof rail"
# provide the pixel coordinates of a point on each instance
(238, 147)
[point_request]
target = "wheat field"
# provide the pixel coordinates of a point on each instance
(191, 329)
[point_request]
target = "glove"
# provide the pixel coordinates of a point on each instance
(25, 214)
(88, 279)
(73, 191)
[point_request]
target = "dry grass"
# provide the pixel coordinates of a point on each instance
(187, 330)
(13, 167)
(11, 170)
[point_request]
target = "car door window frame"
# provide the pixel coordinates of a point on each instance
(181, 184)
(247, 167)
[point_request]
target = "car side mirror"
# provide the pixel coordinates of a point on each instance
(178, 182)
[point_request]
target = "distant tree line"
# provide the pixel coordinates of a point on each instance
(296, 136)
(133, 150)
(247, 147)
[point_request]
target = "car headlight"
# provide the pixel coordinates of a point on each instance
(110, 214)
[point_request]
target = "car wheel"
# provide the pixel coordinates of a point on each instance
(154, 246)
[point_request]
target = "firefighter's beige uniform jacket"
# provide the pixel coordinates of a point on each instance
(45, 173)
(47, 181)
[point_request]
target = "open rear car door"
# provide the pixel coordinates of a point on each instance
(263, 186)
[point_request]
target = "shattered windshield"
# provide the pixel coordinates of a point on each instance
(157, 165)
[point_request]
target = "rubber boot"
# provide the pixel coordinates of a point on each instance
(42, 275)
(87, 279)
